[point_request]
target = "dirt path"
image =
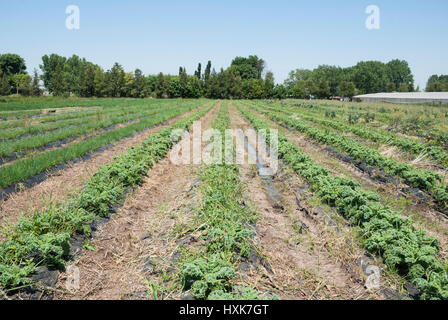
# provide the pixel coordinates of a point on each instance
(425, 217)
(308, 259)
(64, 183)
(126, 248)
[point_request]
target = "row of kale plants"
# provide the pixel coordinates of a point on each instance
(35, 141)
(27, 167)
(405, 250)
(211, 273)
(410, 146)
(405, 122)
(44, 238)
(36, 126)
(426, 180)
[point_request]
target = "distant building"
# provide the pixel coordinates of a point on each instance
(405, 97)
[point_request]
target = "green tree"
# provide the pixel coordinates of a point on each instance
(5, 86)
(248, 68)
(371, 76)
(269, 83)
(151, 81)
(232, 84)
(58, 85)
(183, 82)
(391, 87)
(208, 70)
(128, 85)
(322, 89)
(86, 86)
(11, 64)
(437, 83)
(347, 89)
(140, 89)
(193, 87)
(404, 87)
(280, 92)
(300, 91)
(174, 90)
(198, 71)
(160, 90)
(21, 84)
(35, 86)
(330, 74)
(400, 74)
(100, 82)
(72, 69)
(116, 80)
(50, 65)
(296, 75)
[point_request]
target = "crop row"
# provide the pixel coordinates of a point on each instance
(35, 141)
(422, 127)
(33, 105)
(27, 167)
(221, 214)
(35, 115)
(411, 146)
(404, 249)
(426, 180)
(44, 238)
(81, 118)
(79, 114)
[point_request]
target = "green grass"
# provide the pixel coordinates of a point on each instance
(35, 141)
(19, 104)
(25, 168)
(43, 239)
(76, 118)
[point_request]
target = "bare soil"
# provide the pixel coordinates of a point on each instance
(137, 239)
(306, 259)
(434, 222)
(63, 183)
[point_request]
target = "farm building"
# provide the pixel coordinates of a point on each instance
(404, 97)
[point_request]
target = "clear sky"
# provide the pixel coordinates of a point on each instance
(164, 34)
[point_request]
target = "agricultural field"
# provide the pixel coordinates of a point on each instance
(92, 205)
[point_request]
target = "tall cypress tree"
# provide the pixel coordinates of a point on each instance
(35, 87)
(198, 71)
(207, 72)
(5, 87)
(160, 86)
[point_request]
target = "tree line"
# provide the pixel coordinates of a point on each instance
(365, 77)
(14, 79)
(245, 78)
(437, 83)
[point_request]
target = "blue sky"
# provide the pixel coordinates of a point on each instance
(162, 35)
